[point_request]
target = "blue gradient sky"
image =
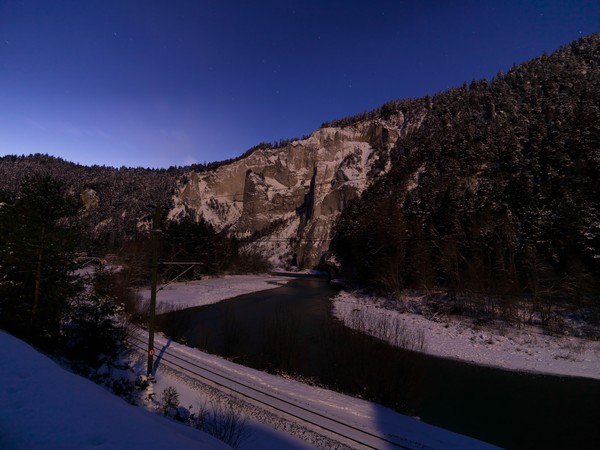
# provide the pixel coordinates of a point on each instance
(160, 83)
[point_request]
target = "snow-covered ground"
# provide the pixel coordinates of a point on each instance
(207, 291)
(526, 348)
(44, 406)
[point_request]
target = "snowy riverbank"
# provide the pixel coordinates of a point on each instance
(188, 294)
(526, 348)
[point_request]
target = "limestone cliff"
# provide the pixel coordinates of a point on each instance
(286, 199)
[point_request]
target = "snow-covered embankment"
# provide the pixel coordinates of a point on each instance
(526, 348)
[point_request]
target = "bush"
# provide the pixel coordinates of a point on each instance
(169, 402)
(222, 419)
(94, 324)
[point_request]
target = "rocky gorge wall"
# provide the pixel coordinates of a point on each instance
(286, 200)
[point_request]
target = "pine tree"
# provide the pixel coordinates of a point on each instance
(38, 241)
(94, 324)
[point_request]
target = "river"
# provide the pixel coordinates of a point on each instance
(291, 329)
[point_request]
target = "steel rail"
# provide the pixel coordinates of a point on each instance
(294, 405)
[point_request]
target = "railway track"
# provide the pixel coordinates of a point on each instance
(271, 400)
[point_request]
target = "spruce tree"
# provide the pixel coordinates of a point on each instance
(38, 242)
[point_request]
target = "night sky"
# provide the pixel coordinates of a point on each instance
(161, 83)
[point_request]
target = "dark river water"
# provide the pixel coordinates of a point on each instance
(291, 329)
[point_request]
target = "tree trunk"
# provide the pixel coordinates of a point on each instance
(38, 275)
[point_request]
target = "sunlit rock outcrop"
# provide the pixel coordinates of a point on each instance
(287, 199)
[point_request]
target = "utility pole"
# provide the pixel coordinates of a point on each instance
(155, 233)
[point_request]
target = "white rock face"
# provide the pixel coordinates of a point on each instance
(90, 199)
(292, 195)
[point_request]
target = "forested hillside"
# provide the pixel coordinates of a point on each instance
(115, 200)
(496, 193)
